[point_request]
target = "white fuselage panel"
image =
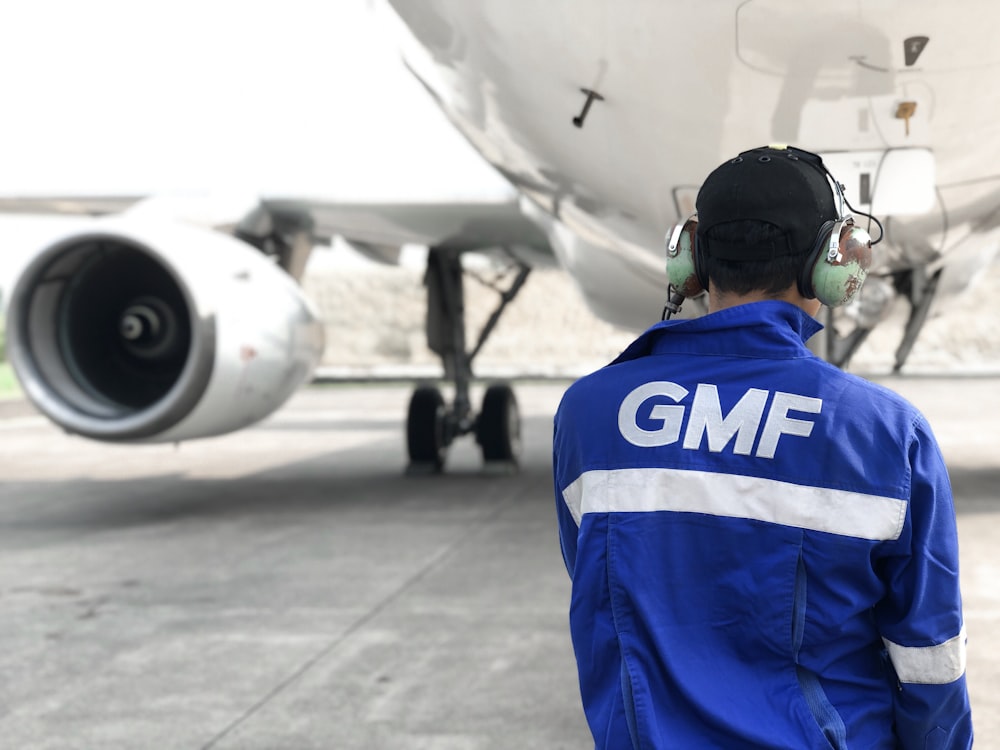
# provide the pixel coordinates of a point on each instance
(685, 85)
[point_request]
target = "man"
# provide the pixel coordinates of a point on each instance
(763, 548)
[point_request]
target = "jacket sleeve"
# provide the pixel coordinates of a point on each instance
(920, 618)
(568, 526)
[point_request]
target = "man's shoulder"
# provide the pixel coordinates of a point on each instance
(583, 387)
(875, 392)
(600, 386)
(863, 401)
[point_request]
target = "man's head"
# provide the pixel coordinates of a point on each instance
(759, 217)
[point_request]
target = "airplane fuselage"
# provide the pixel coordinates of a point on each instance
(607, 116)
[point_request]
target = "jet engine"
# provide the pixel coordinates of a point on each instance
(132, 331)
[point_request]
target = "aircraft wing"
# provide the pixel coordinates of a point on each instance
(376, 229)
(380, 229)
(68, 205)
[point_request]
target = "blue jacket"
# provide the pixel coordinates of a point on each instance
(763, 548)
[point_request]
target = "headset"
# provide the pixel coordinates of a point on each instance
(833, 271)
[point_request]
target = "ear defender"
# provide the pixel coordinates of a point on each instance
(833, 272)
(685, 269)
(838, 264)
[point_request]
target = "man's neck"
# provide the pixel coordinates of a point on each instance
(722, 300)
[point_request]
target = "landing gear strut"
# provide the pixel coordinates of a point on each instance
(431, 424)
(920, 289)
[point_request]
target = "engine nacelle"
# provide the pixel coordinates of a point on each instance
(158, 332)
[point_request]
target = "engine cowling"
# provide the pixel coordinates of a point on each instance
(134, 331)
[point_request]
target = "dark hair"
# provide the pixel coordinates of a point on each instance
(771, 277)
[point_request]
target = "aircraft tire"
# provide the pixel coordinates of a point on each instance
(498, 430)
(425, 428)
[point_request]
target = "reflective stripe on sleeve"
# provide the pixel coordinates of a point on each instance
(573, 497)
(929, 665)
(839, 512)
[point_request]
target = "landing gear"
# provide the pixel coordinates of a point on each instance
(431, 424)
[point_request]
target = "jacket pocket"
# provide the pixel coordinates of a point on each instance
(629, 704)
(826, 716)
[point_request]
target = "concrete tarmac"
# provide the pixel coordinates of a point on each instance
(288, 587)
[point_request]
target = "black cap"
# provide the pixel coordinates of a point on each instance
(783, 186)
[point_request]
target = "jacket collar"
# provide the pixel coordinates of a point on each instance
(769, 329)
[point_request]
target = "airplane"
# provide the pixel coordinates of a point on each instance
(166, 323)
